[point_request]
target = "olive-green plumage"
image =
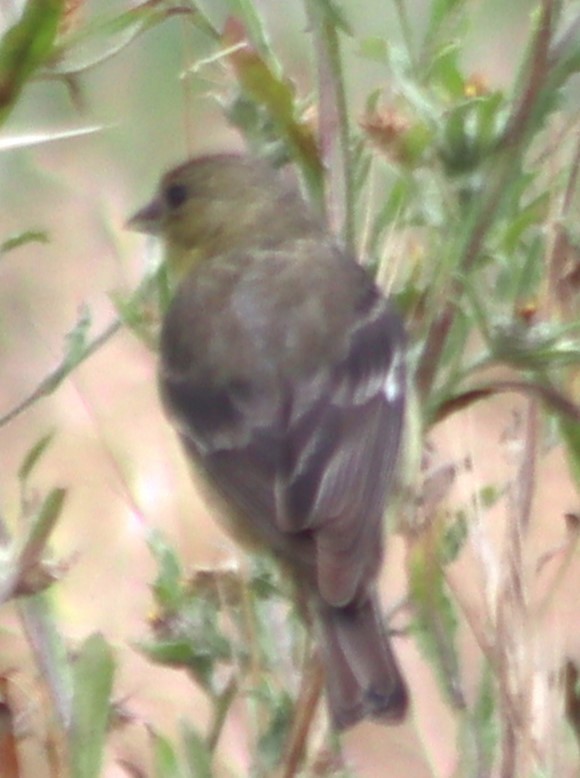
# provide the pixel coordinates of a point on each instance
(282, 369)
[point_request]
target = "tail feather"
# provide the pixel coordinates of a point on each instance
(362, 676)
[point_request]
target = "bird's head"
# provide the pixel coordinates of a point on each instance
(218, 203)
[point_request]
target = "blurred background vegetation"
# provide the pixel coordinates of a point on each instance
(136, 640)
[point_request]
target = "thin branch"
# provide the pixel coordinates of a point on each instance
(53, 380)
(540, 67)
(568, 554)
(311, 688)
(526, 477)
(554, 399)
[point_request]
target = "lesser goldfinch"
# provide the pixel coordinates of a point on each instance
(282, 367)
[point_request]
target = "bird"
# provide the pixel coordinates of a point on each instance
(282, 369)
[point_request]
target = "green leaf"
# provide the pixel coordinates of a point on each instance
(197, 753)
(104, 37)
(484, 718)
(278, 706)
(489, 495)
(195, 646)
(336, 16)
(446, 72)
(186, 632)
(141, 311)
(454, 538)
(93, 674)
(51, 653)
(570, 431)
(539, 346)
(568, 60)
(394, 205)
(33, 456)
(374, 48)
(264, 580)
(276, 95)
(42, 526)
(440, 12)
(51, 508)
(177, 652)
(529, 216)
(165, 760)
(25, 47)
(471, 131)
(415, 94)
(30, 236)
(167, 589)
(53, 380)
(76, 340)
(435, 623)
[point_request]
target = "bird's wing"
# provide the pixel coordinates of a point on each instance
(343, 443)
(307, 461)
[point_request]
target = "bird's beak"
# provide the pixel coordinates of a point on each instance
(148, 219)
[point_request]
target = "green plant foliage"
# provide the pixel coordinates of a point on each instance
(197, 754)
(280, 707)
(435, 621)
(30, 236)
(166, 762)
(268, 90)
(93, 673)
(25, 47)
(570, 432)
(186, 631)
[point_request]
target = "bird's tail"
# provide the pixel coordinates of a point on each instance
(362, 676)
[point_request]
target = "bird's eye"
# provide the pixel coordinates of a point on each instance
(176, 195)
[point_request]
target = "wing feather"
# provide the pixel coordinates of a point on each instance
(306, 459)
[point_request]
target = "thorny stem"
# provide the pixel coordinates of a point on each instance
(334, 135)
